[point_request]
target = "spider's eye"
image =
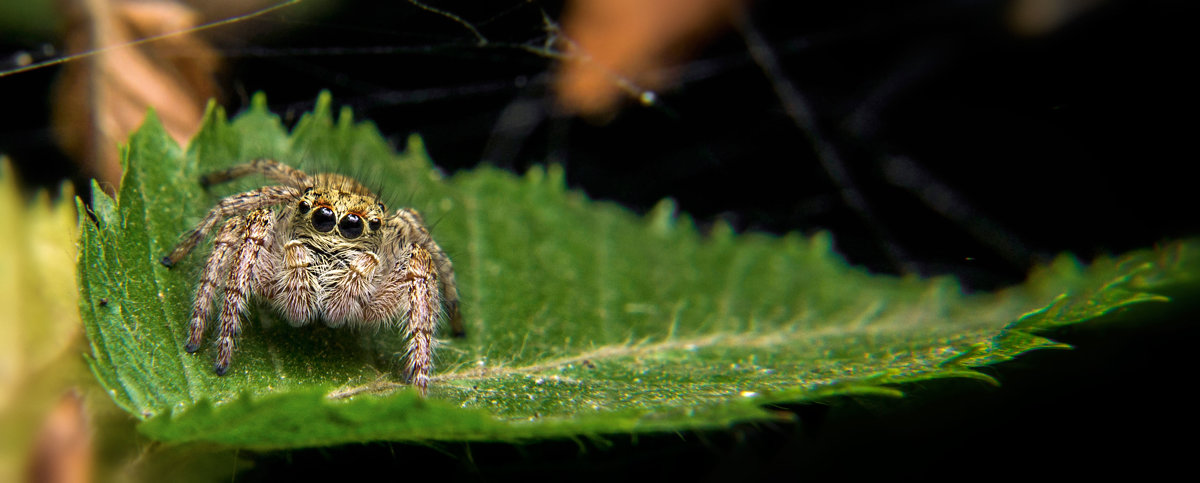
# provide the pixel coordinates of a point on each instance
(351, 226)
(375, 223)
(304, 207)
(322, 219)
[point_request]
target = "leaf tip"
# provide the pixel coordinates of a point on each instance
(721, 231)
(103, 205)
(415, 145)
(821, 242)
(662, 217)
(345, 119)
(259, 102)
(557, 176)
(324, 107)
(214, 113)
(535, 175)
(80, 210)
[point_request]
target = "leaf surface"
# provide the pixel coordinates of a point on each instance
(582, 318)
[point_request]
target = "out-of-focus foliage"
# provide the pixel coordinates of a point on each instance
(39, 319)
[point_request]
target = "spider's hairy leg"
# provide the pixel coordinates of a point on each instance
(410, 292)
(348, 289)
(233, 205)
(255, 237)
(227, 236)
(449, 289)
(421, 291)
(273, 170)
(445, 269)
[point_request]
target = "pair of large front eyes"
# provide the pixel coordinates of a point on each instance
(323, 220)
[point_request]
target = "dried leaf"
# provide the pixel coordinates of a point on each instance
(1039, 17)
(618, 44)
(63, 451)
(101, 99)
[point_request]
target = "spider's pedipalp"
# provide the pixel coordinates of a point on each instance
(350, 288)
(388, 303)
(296, 289)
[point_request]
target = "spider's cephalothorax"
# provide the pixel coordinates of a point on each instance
(324, 248)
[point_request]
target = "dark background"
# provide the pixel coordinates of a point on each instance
(971, 150)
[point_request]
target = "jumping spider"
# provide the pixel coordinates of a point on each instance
(320, 247)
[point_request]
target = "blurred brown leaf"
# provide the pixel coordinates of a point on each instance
(1031, 18)
(102, 98)
(630, 42)
(62, 452)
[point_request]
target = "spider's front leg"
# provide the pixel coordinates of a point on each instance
(414, 224)
(409, 293)
(217, 263)
(424, 306)
(255, 237)
(231, 206)
(445, 270)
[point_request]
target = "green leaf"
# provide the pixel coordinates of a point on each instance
(582, 318)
